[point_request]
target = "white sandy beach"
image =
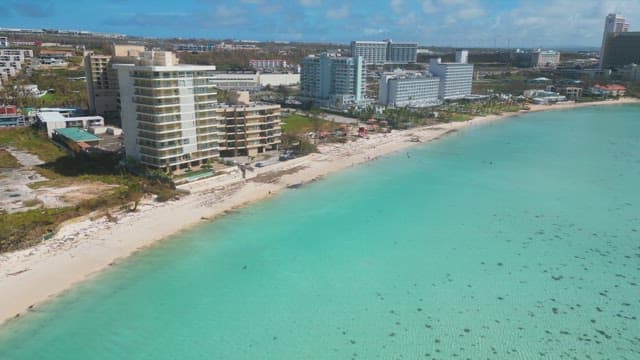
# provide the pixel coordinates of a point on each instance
(85, 247)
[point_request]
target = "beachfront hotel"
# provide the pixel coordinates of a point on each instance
(385, 52)
(455, 78)
(401, 88)
(172, 120)
(335, 81)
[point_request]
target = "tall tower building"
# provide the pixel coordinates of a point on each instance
(172, 120)
(333, 80)
(455, 79)
(613, 24)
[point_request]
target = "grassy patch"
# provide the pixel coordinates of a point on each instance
(23, 229)
(7, 160)
(31, 203)
(299, 124)
(32, 141)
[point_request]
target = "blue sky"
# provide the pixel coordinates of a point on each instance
(477, 23)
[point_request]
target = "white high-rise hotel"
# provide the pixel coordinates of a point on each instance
(455, 78)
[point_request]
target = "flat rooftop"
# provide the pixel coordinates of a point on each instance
(77, 135)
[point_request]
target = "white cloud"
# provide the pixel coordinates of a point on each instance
(471, 11)
(397, 5)
(338, 13)
(428, 6)
(309, 2)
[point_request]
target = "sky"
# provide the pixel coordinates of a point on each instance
(468, 23)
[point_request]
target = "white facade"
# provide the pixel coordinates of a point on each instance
(372, 52)
(455, 79)
(333, 80)
(402, 53)
(158, 112)
(545, 59)
(235, 80)
(408, 89)
(613, 24)
(268, 64)
(12, 60)
(278, 79)
(462, 56)
(55, 120)
(171, 117)
(384, 52)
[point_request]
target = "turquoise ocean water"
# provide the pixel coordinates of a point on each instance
(515, 240)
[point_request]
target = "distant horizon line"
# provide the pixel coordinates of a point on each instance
(327, 42)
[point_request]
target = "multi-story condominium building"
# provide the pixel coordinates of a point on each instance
(126, 50)
(235, 80)
(402, 53)
(383, 52)
(333, 80)
(194, 47)
(268, 64)
(12, 60)
(462, 56)
(102, 78)
(4, 42)
(172, 120)
(408, 89)
(102, 85)
(621, 49)
(545, 59)
(536, 59)
(455, 79)
(372, 52)
(248, 129)
(613, 24)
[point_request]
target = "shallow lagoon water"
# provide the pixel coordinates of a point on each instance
(515, 240)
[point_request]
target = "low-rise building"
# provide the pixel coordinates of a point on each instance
(571, 92)
(53, 120)
(194, 47)
(545, 59)
(235, 80)
(278, 79)
(268, 64)
(536, 59)
(56, 54)
(608, 90)
(75, 139)
(544, 97)
(10, 117)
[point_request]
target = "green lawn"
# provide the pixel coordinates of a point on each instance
(31, 140)
(7, 160)
(298, 124)
(22, 229)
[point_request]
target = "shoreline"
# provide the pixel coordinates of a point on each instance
(85, 247)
